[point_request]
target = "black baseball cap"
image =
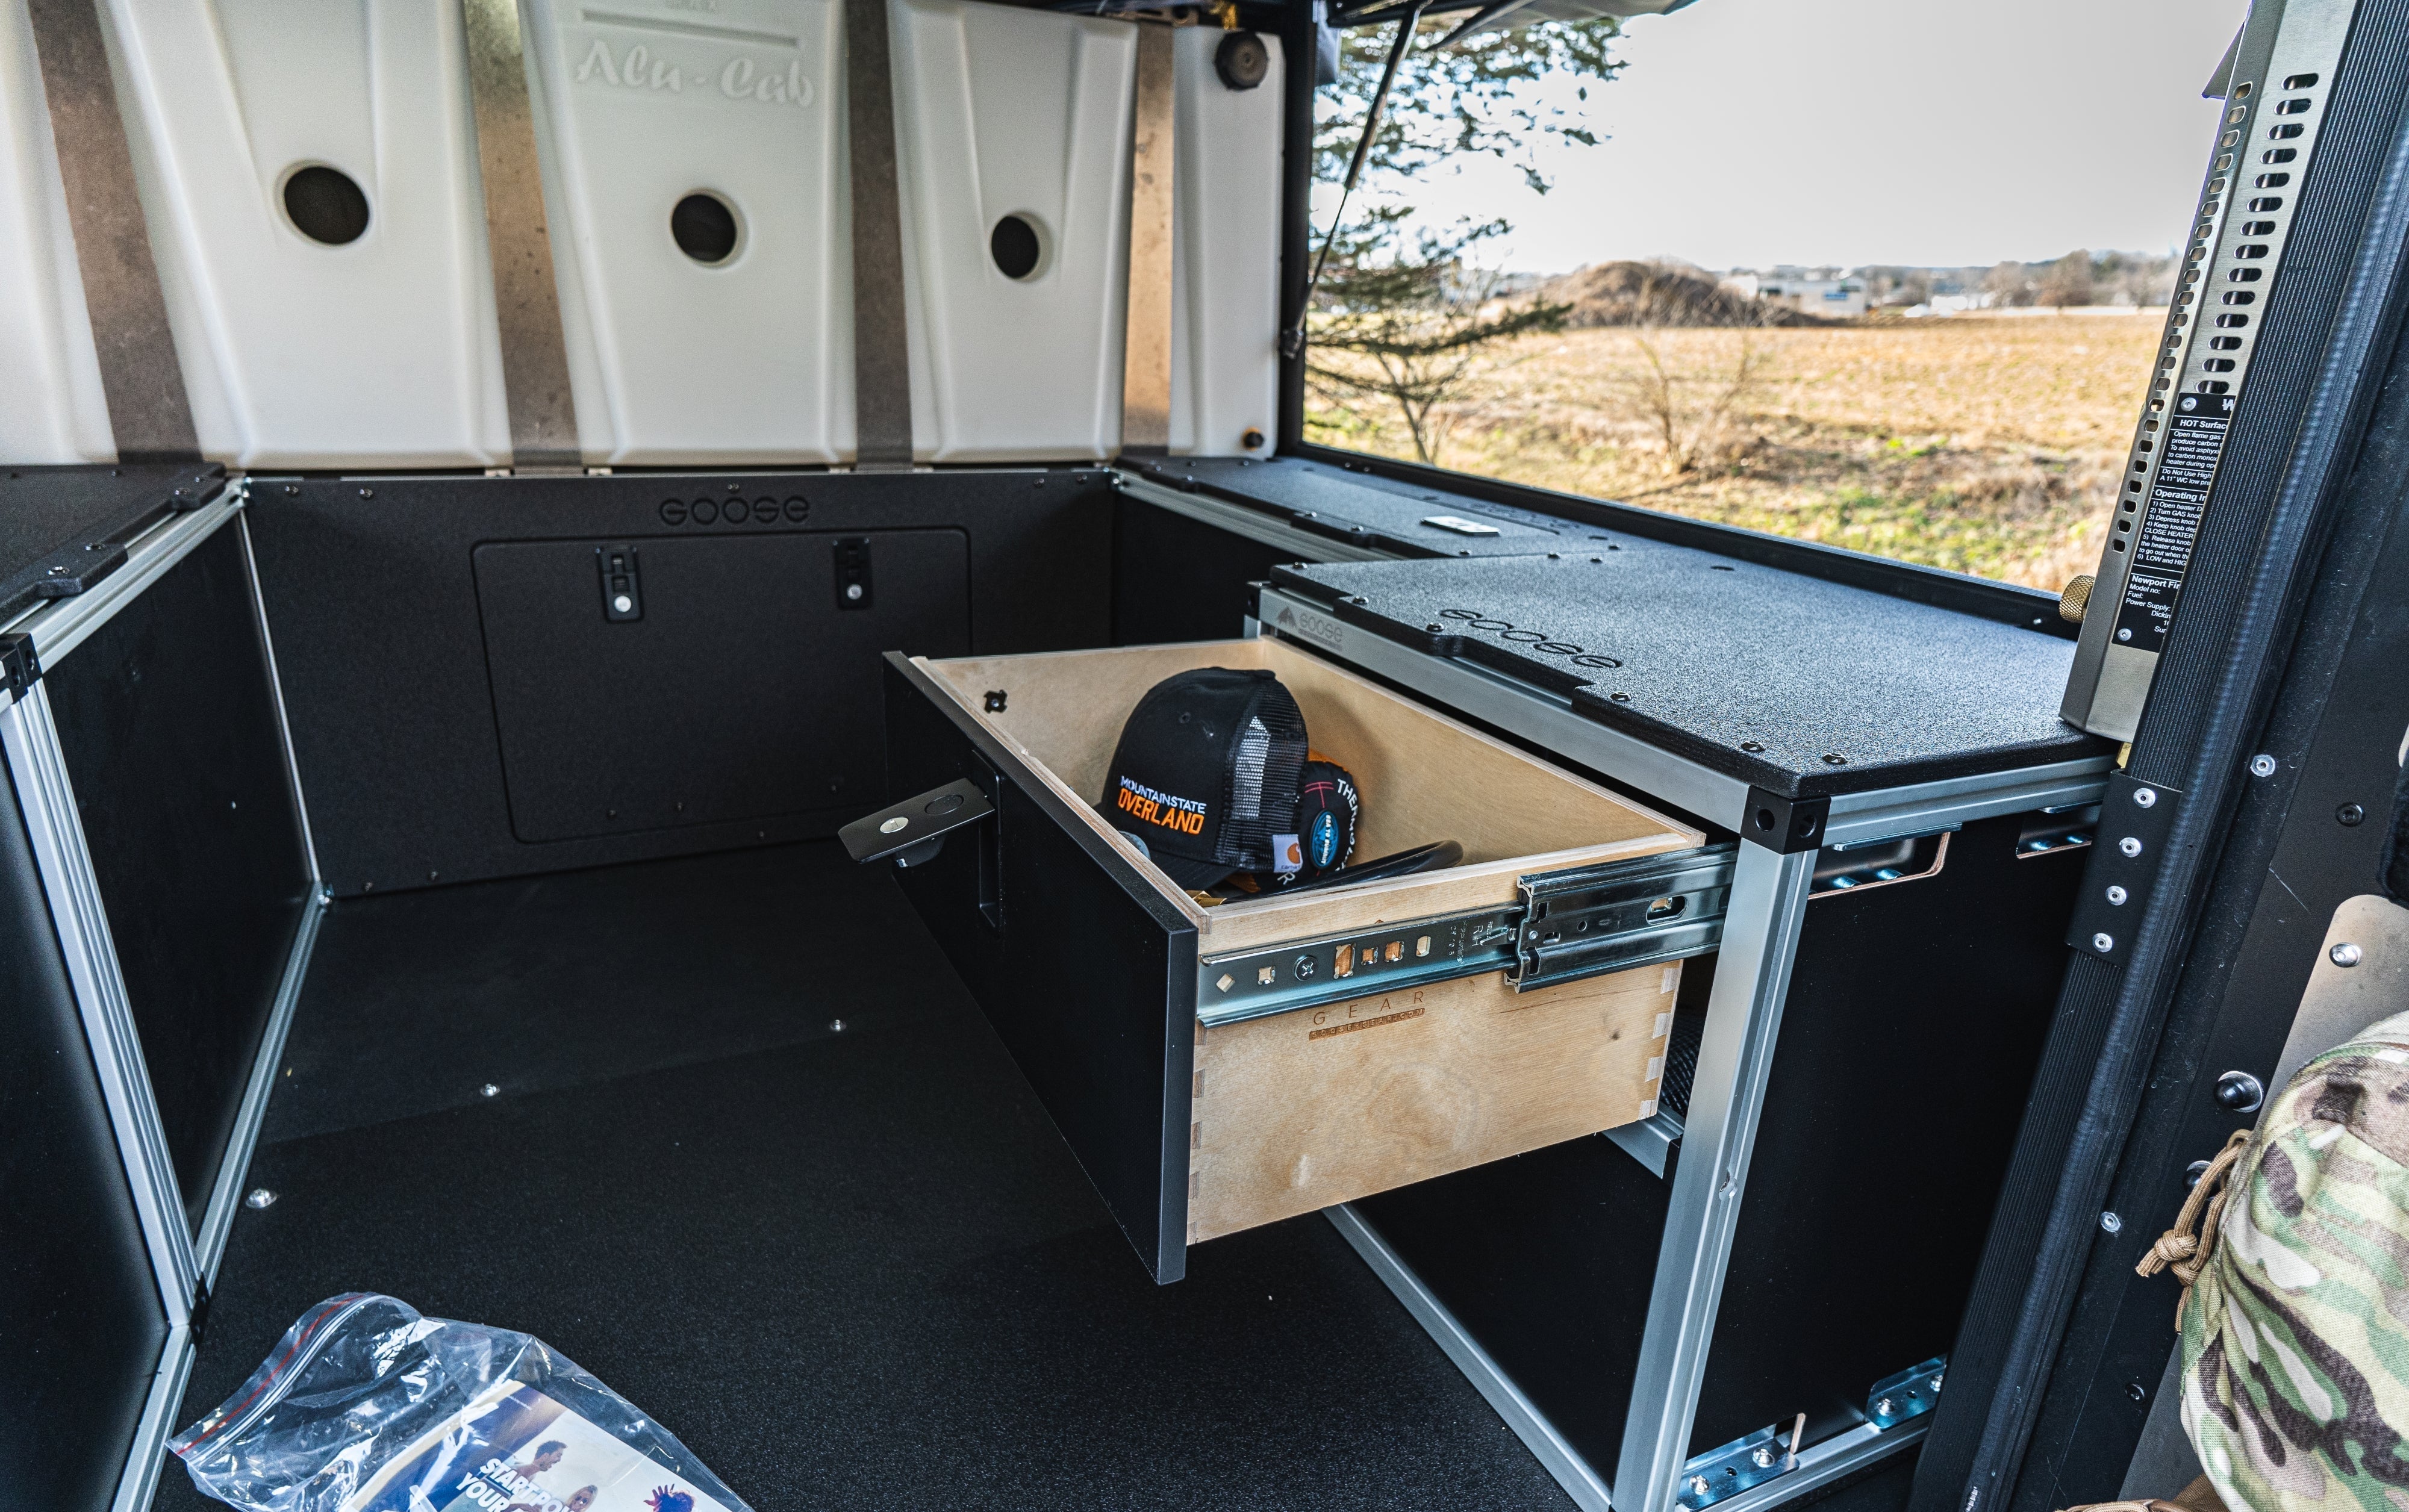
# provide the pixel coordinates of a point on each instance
(1208, 774)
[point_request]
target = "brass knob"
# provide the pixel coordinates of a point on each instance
(2075, 598)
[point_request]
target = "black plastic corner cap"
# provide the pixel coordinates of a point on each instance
(1784, 825)
(21, 664)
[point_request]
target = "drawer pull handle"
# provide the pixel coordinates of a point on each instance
(912, 832)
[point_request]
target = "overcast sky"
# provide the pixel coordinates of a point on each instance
(1745, 132)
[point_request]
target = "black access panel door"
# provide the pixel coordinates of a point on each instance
(660, 683)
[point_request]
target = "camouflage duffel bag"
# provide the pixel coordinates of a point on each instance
(2295, 1315)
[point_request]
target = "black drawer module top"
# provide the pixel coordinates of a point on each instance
(1794, 684)
(63, 528)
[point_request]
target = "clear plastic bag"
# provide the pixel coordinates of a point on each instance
(367, 1407)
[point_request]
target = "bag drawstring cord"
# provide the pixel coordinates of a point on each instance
(2185, 1248)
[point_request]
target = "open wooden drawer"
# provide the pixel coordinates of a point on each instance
(1216, 1068)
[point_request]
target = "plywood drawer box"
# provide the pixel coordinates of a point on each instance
(1217, 1068)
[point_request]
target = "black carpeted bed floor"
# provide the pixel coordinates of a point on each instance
(852, 1269)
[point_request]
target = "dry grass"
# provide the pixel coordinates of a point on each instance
(1987, 444)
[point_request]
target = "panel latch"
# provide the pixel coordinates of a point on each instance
(623, 593)
(852, 573)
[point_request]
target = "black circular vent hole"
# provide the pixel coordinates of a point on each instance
(1014, 245)
(325, 206)
(704, 228)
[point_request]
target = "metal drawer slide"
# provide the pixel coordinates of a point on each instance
(1569, 925)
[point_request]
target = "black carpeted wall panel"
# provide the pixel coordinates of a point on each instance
(80, 1321)
(167, 715)
(386, 648)
(1177, 578)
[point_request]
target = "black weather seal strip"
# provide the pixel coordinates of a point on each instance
(2225, 659)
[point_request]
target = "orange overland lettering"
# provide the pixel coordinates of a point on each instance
(1184, 815)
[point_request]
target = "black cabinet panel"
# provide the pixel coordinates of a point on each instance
(80, 1322)
(167, 715)
(737, 683)
(1177, 579)
(1908, 1043)
(391, 669)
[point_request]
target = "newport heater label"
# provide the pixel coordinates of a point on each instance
(2194, 442)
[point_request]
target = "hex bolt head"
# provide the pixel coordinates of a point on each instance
(259, 1199)
(2262, 766)
(2345, 954)
(2103, 942)
(2130, 845)
(2349, 814)
(2116, 897)
(2237, 1091)
(2145, 796)
(2111, 1223)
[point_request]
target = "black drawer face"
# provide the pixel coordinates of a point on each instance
(1087, 975)
(659, 682)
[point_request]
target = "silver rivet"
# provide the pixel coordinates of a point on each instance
(2103, 942)
(2347, 954)
(836, 1025)
(1884, 1407)
(2262, 766)
(2117, 896)
(1761, 1459)
(258, 1198)
(2145, 796)
(1934, 1386)
(1698, 1486)
(2129, 845)
(623, 603)
(852, 593)
(893, 824)
(489, 1090)
(2111, 1223)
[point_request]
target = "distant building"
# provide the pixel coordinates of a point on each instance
(1829, 292)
